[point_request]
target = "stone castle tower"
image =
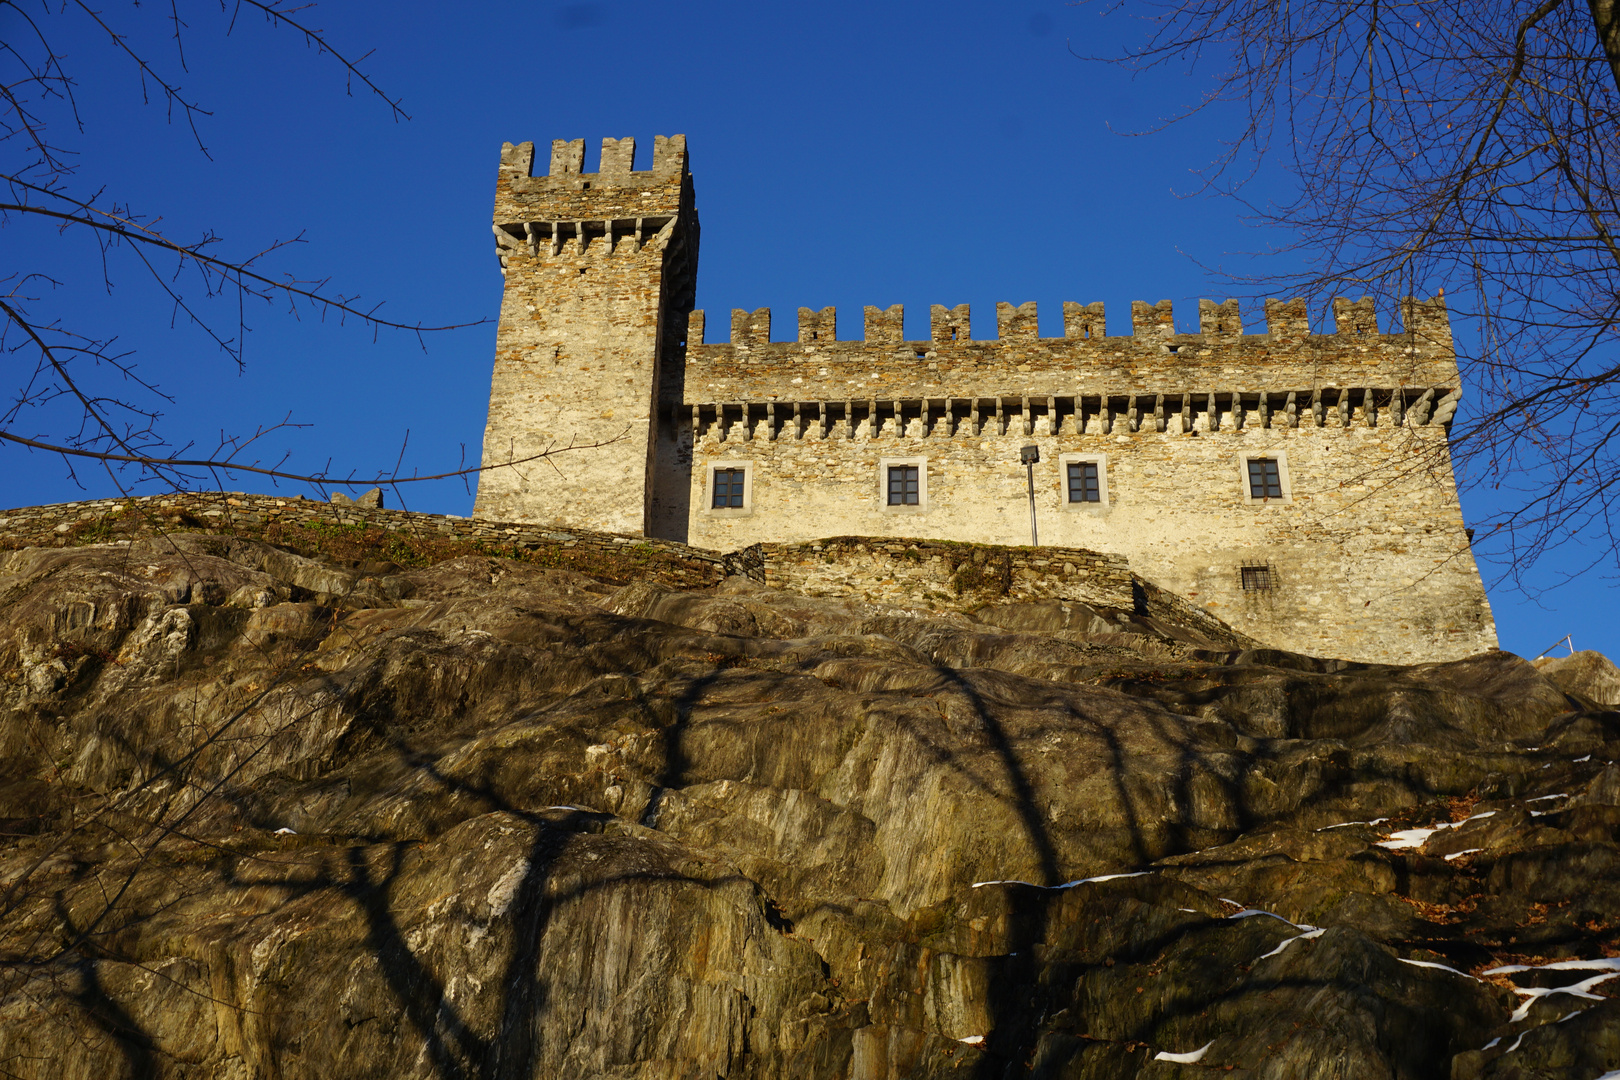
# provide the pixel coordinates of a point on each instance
(1298, 485)
(600, 273)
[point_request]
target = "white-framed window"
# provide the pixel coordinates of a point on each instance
(729, 489)
(1263, 476)
(1083, 481)
(903, 485)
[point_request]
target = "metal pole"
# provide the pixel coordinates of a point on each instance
(1567, 639)
(1034, 537)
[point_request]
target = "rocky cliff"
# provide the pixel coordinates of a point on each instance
(268, 814)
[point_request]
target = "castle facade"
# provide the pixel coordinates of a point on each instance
(1297, 485)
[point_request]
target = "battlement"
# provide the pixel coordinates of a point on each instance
(566, 192)
(1425, 323)
(617, 161)
(1152, 359)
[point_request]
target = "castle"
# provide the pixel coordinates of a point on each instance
(1297, 485)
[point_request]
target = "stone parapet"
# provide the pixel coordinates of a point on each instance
(1153, 359)
(941, 573)
(946, 576)
(750, 368)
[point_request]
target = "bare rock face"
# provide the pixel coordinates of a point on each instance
(270, 816)
(1587, 673)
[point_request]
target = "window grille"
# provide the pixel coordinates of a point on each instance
(1265, 481)
(1084, 485)
(903, 485)
(728, 488)
(1256, 578)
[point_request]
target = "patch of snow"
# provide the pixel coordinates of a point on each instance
(1066, 884)
(1460, 854)
(1569, 1016)
(1193, 910)
(1105, 877)
(284, 831)
(1307, 936)
(1247, 912)
(1613, 1074)
(1188, 1058)
(1515, 1045)
(1416, 838)
(1581, 989)
(1544, 798)
(581, 809)
(1347, 824)
(1583, 760)
(1492, 1043)
(1431, 964)
(1407, 838)
(1602, 963)
(973, 1040)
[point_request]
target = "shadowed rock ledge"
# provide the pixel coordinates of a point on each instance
(269, 815)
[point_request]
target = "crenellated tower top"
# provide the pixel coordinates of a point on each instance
(616, 190)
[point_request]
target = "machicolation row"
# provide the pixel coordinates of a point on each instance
(1058, 415)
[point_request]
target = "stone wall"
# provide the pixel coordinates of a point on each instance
(947, 576)
(940, 574)
(1366, 558)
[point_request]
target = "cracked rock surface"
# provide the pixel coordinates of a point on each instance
(266, 815)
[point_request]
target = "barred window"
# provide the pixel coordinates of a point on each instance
(1083, 482)
(903, 485)
(1265, 481)
(728, 488)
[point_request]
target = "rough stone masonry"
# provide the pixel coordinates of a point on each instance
(1296, 485)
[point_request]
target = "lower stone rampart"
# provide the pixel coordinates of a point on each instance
(947, 575)
(936, 574)
(106, 520)
(942, 573)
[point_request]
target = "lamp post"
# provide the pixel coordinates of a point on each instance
(1029, 456)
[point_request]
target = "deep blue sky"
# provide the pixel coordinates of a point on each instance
(844, 153)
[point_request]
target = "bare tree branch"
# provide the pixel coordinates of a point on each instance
(229, 465)
(119, 413)
(1470, 147)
